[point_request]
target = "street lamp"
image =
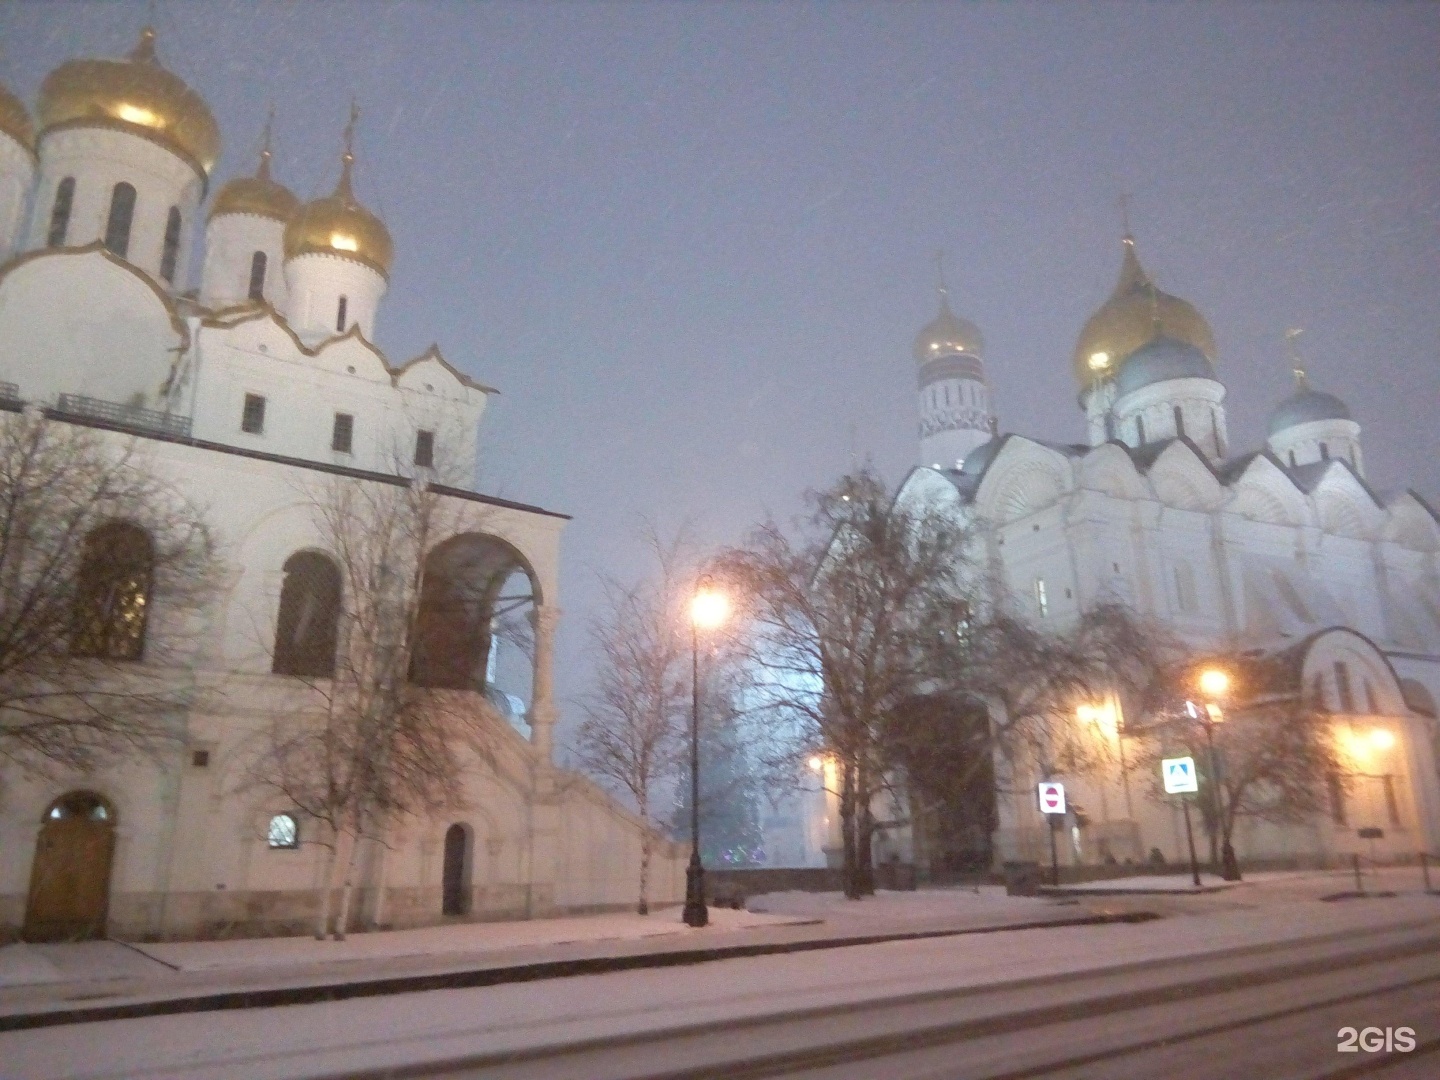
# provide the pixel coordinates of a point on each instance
(708, 609)
(1214, 683)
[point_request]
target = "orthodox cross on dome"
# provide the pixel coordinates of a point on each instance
(347, 159)
(1126, 236)
(940, 276)
(263, 172)
(1292, 350)
(144, 51)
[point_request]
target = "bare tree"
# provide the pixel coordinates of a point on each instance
(631, 737)
(850, 620)
(103, 569)
(1275, 757)
(380, 746)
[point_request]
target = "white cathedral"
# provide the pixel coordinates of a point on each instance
(239, 391)
(1285, 549)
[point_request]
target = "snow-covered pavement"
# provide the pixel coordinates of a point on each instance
(336, 1038)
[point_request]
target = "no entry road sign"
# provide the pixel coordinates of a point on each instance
(1052, 798)
(1179, 775)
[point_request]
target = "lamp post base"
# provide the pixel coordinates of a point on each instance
(696, 913)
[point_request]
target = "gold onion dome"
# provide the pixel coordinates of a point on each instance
(338, 225)
(256, 194)
(1136, 314)
(15, 119)
(135, 94)
(947, 333)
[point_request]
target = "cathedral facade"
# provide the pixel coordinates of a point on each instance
(1284, 552)
(241, 393)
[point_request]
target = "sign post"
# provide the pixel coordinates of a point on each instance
(1180, 779)
(1051, 797)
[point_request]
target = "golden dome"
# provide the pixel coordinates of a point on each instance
(15, 119)
(256, 194)
(1136, 314)
(338, 225)
(947, 333)
(135, 94)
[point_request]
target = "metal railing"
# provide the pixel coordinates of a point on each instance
(131, 416)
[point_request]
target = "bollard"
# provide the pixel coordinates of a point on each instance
(1355, 864)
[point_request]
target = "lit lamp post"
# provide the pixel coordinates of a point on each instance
(708, 610)
(1214, 684)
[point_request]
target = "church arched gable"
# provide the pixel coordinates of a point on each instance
(1264, 493)
(1344, 507)
(1023, 478)
(1180, 478)
(1409, 524)
(1343, 663)
(925, 488)
(1110, 470)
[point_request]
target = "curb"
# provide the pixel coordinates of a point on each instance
(1072, 891)
(455, 980)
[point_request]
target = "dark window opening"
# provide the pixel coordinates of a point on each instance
(257, 276)
(252, 417)
(200, 759)
(60, 212)
(170, 254)
(1342, 687)
(122, 215)
(1292, 459)
(1392, 804)
(455, 882)
(1371, 703)
(1140, 430)
(1179, 422)
(340, 314)
(425, 449)
(112, 593)
(1324, 452)
(308, 624)
(1337, 799)
(342, 436)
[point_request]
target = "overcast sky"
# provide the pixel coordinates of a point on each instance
(692, 243)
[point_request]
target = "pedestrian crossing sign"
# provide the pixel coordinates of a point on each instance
(1179, 775)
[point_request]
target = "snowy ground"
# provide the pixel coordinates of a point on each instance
(32, 964)
(336, 1038)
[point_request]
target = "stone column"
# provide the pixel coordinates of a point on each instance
(542, 694)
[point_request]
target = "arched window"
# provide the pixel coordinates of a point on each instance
(340, 315)
(1140, 430)
(305, 632)
(60, 212)
(112, 593)
(170, 254)
(257, 276)
(283, 832)
(1179, 422)
(455, 872)
(1324, 452)
(122, 213)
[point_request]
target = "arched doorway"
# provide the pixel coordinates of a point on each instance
(455, 883)
(70, 878)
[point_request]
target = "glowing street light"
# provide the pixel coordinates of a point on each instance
(1214, 682)
(709, 608)
(1381, 739)
(816, 764)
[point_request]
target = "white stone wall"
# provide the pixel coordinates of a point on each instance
(231, 241)
(314, 284)
(17, 177)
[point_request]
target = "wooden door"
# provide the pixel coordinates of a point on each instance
(70, 878)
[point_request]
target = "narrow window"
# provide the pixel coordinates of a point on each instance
(1292, 459)
(122, 213)
(1179, 422)
(1337, 799)
(1370, 702)
(112, 593)
(342, 436)
(1342, 687)
(340, 314)
(257, 276)
(1109, 427)
(60, 212)
(200, 759)
(1317, 691)
(284, 832)
(947, 393)
(1042, 602)
(425, 449)
(252, 417)
(1215, 431)
(1392, 805)
(1324, 452)
(170, 254)
(1140, 430)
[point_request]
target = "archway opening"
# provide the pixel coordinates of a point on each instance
(455, 875)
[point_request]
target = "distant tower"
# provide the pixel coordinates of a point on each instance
(1311, 425)
(955, 410)
(337, 259)
(245, 239)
